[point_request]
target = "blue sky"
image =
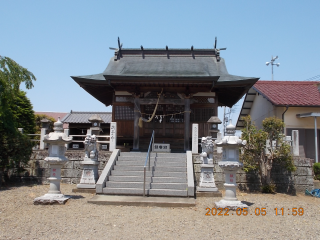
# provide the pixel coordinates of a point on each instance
(59, 39)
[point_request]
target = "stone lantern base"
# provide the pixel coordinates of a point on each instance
(51, 199)
(230, 199)
(54, 194)
(232, 205)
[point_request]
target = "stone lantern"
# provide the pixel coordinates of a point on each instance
(213, 126)
(96, 121)
(230, 164)
(95, 129)
(56, 160)
(45, 123)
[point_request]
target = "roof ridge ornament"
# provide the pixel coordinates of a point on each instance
(217, 50)
(118, 51)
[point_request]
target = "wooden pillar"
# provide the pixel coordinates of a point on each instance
(186, 123)
(136, 122)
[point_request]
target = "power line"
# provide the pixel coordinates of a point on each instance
(315, 78)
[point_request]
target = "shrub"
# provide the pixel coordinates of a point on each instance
(268, 188)
(316, 170)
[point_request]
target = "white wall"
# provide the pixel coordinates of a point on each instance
(292, 121)
(261, 109)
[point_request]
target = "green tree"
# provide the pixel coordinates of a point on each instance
(257, 154)
(15, 148)
(23, 113)
(38, 118)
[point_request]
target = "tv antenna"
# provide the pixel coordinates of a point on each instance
(272, 63)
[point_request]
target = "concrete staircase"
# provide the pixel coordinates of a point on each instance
(167, 175)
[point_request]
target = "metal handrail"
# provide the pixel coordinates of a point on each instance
(145, 164)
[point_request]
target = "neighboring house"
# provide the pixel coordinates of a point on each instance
(55, 115)
(285, 99)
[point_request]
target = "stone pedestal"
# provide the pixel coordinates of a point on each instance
(56, 159)
(89, 174)
(90, 163)
(207, 183)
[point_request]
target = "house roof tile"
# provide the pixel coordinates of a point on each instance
(292, 93)
(55, 115)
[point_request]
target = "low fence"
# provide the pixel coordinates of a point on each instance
(103, 144)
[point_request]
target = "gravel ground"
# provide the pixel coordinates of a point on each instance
(20, 219)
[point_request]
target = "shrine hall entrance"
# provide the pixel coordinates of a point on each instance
(168, 121)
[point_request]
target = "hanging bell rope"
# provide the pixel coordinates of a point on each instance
(141, 119)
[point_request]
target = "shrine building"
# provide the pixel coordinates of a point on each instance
(165, 90)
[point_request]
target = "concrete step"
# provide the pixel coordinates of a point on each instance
(149, 192)
(128, 179)
(148, 179)
(130, 173)
(152, 163)
(171, 155)
(137, 159)
(175, 186)
(167, 176)
(170, 159)
(133, 163)
(136, 154)
(169, 180)
(124, 191)
(153, 168)
(149, 185)
(149, 174)
(139, 184)
(168, 192)
(152, 154)
(131, 158)
(171, 164)
(142, 201)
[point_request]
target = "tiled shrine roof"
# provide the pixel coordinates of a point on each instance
(167, 69)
